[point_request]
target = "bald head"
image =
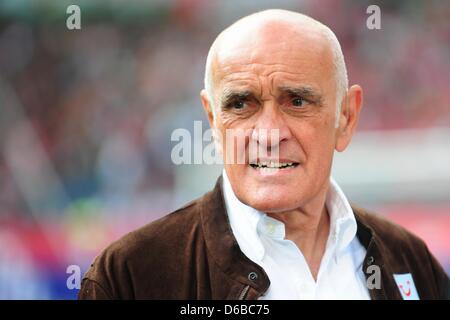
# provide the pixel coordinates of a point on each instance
(276, 30)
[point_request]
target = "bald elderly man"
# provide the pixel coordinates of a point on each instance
(276, 226)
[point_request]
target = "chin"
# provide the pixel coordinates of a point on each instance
(272, 200)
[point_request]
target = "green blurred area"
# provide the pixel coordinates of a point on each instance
(54, 12)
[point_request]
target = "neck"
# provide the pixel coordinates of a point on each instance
(308, 227)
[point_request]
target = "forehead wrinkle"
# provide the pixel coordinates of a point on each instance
(239, 83)
(254, 64)
(258, 69)
(287, 79)
(256, 75)
(256, 84)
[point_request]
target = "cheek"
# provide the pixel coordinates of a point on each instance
(233, 144)
(228, 121)
(317, 139)
(235, 136)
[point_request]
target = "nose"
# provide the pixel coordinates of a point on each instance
(270, 128)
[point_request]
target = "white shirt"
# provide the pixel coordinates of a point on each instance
(262, 239)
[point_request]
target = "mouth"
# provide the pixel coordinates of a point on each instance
(273, 165)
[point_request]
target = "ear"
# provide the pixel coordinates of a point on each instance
(348, 117)
(212, 122)
(207, 107)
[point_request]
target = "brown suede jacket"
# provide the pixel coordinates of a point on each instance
(192, 254)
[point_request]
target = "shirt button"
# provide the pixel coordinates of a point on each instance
(306, 291)
(252, 276)
(306, 287)
(270, 228)
(370, 260)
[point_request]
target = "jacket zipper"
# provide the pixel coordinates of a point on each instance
(244, 292)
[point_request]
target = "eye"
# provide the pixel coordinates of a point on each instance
(238, 105)
(298, 102)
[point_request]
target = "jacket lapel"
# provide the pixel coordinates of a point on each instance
(375, 261)
(250, 278)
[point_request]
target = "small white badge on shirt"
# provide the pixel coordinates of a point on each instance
(406, 286)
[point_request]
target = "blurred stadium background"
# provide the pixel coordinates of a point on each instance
(87, 115)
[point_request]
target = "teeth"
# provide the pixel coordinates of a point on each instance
(272, 165)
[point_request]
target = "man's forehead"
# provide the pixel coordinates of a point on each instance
(263, 47)
(244, 70)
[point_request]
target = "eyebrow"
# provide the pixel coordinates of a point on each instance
(232, 95)
(306, 92)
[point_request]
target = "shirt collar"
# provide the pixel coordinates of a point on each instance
(243, 221)
(248, 223)
(343, 224)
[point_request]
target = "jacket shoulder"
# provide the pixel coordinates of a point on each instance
(388, 232)
(407, 253)
(157, 232)
(124, 262)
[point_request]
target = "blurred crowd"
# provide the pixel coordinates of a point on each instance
(86, 115)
